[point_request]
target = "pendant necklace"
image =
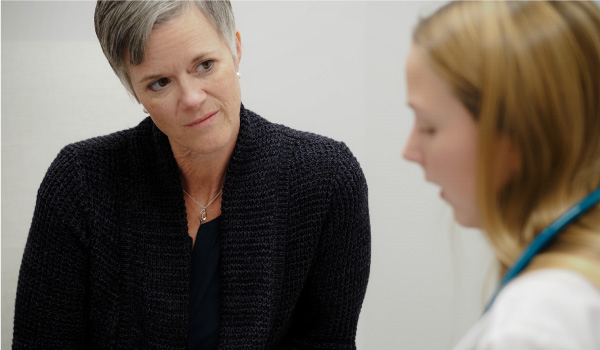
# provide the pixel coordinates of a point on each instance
(202, 215)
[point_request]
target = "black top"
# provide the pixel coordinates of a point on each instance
(107, 262)
(205, 289)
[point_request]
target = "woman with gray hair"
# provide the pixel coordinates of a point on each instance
(205, 226)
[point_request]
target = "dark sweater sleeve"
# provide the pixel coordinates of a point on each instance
(50, 310)
(336, 285)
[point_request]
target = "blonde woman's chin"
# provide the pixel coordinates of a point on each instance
(466, 219)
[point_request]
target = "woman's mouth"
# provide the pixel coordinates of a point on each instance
(202, 120)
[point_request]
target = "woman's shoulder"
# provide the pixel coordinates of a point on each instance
(546, 291)
(102, 154)
(543, 309)
(303, 145)
(112, 142)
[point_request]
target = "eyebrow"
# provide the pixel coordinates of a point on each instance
(419, 113)
(149, 78)
(153, 77)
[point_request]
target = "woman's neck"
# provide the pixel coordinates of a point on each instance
(202, 176)
(586, 265)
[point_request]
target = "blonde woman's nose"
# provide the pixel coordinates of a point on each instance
(412, 151)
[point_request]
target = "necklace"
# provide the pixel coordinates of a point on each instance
(202, 215)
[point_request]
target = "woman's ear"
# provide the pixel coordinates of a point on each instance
(508, 160)
(238, 46)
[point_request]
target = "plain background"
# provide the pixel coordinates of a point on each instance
(331, 67)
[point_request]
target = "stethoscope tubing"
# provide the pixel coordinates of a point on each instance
(544, 238)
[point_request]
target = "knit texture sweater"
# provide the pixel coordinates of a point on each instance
(107, 260)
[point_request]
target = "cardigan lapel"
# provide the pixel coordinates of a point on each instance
(251, 253)
(155, 225)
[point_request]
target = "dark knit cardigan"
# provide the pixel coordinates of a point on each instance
(107, 261)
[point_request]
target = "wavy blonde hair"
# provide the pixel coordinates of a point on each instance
(529, 72)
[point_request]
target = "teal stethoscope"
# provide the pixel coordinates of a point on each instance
(544, 238)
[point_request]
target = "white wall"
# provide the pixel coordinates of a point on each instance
(334, 68)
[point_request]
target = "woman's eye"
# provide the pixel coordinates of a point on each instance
(205, 66)
(159, 84)
(427, 130)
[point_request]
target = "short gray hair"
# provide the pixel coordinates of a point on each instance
(124, 27)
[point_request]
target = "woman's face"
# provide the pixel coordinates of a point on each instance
(188, 83)
(443, 140)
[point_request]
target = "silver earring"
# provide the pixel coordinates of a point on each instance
(238, 74)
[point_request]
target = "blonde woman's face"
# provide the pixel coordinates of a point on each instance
(443, 140)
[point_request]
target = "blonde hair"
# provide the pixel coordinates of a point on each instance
(529, 72)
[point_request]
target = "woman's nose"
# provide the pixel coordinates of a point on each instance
(412, 152)
(192, 93)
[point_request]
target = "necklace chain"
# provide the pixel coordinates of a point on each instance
(202, 215)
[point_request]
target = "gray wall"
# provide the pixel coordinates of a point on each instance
(334, 68)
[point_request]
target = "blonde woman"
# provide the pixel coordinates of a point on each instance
(506, 98)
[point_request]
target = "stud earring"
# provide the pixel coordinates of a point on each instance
(238, 74)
